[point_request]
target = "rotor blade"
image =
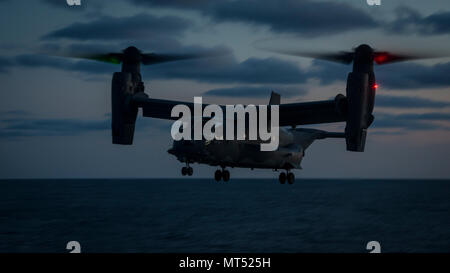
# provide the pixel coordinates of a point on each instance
(114, 58)
(385, 57)
(344, 57)
(153, 58)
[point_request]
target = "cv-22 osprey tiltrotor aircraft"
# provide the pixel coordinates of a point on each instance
(355, 109)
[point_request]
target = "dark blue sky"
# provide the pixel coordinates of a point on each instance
(54, 112)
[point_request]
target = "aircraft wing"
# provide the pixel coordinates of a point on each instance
(303, 113)
(290, 114)
(158, 108)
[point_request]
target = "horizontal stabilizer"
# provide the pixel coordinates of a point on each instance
(319, 134)
(333, 135)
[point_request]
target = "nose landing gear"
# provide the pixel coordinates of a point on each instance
(287, 176)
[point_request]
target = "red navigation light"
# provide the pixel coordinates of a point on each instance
(381, 58)
(375, 86)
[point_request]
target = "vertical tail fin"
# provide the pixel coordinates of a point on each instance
(275, 99)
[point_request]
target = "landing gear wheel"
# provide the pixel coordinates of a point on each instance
(282, 178)
(218, 175)
(290, 178)
(184, 171)
(226, 175)
(190, 171)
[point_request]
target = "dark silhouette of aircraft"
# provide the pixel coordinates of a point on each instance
(354, 108)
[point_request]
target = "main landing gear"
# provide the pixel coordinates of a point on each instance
(187, 170)
(287, 176)
(222, 174)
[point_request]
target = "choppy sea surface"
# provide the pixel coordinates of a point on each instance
(242, 215)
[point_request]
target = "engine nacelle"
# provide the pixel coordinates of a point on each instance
(124, 112)
(360, 99)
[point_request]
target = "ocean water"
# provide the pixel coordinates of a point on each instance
(201, 215)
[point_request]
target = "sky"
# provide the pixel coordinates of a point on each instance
(55, 111)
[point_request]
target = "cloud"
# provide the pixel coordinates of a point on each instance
(5, 64)
(426, 116)
(328, 72)
(21, 124)
(271, 70)
(252, 91)
(14, 113)
(141, 26)
(89, 67)
(408, 102)
(406, 75)
(306, 18)
(427, 121)
(309, 18)
(414, 75)
(214, 70)
(19, 127)
(229, 70)
(411, 21)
